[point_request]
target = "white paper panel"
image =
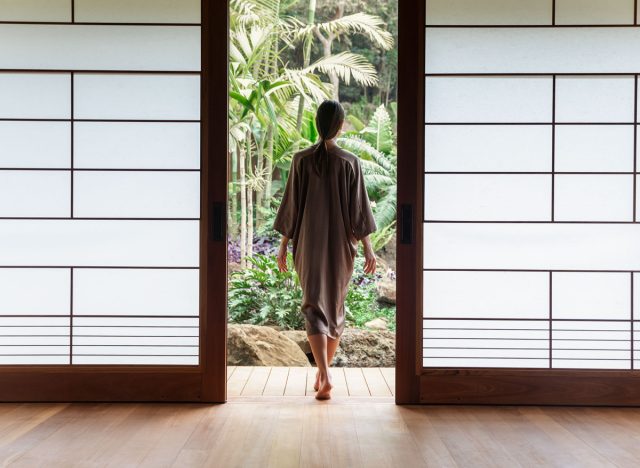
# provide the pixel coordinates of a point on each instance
(594, 11)
(17, 348)
(492, 197)
(136, 340)
(35, 193)
(136, 145)
(76, 47)
(594, 148)
(116, 194)
(496, 148)
(485, 294)
(138, 11)
(598, 346)
(532, 246)
(31, 95)
(594, 99)
(136, 292)
(532, 50)
(488, 12)
(145, 97)
(484, 343)
(484, 353)
(488, 99)
(98, 243)
(484, 362)
(36, 291)
(517, 331)
(134, 350)
(619, 345)
(593, 197)
(35, 144)
(35, 10)
(159, 360)
(108, 347)
(138, 322)
(591, 296)
(591, 364)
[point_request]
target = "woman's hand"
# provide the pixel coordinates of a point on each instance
(282, 255)
(369, 257)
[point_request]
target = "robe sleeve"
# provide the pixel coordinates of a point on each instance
(286, 217)
(362, 220)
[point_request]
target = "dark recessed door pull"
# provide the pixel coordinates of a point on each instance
(406, 224)
(217, 221)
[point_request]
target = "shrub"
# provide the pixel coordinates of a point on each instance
(262, 295)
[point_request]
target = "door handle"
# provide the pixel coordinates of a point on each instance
(406, 224)
(218, 211)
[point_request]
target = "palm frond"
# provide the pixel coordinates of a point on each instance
(363, 23)
(346, 65)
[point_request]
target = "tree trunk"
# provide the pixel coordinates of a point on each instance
(249, 196)
(243, 209)
(306, 57)
(269, 172)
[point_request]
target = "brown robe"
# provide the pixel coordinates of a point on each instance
(325, 218)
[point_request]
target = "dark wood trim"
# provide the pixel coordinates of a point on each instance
(207, 381)
(411, 16)
(108, 384)
(530, 387)
(215, 136)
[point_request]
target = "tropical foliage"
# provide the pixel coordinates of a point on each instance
(286, 57)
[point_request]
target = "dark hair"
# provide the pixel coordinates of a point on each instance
(329, 118)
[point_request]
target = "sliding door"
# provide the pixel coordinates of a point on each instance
(525, 241)
(111, 283)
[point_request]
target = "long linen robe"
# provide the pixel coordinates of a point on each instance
(325, 217)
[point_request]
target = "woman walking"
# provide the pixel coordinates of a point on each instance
(325, 211)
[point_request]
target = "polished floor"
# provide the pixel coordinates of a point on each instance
(272, 420)
(300, 431)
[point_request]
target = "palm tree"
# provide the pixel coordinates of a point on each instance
(266, 96)
(357, 23)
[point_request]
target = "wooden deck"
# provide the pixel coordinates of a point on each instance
(298, 381)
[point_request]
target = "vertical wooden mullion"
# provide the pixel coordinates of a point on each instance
(411, 80)
(214, 141)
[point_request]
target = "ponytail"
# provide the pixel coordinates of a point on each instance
(329, 119)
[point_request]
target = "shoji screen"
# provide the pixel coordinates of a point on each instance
(99, 181)
(531, 234)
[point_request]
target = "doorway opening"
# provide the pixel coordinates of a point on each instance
(285, 58)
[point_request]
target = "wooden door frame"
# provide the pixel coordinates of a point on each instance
(207, 381)
(495, 386)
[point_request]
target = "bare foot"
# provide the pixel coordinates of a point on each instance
(324, 393)
(317, 384)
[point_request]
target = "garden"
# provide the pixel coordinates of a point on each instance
(286, 57)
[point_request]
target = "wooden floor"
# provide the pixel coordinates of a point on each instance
(301, 431)
(298, 381)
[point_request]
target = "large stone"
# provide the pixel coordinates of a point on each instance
(378, 323)
(300, 337)
(366, 348)
(254, 345)
(386, 289)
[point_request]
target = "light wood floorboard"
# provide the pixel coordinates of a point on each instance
(279, 431)
(256, 381)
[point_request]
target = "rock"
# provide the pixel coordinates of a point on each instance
(254, 345)
(300, 337)
(386, 290)
(366, 348)
(378, 323)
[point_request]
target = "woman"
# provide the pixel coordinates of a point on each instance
(325, 211)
